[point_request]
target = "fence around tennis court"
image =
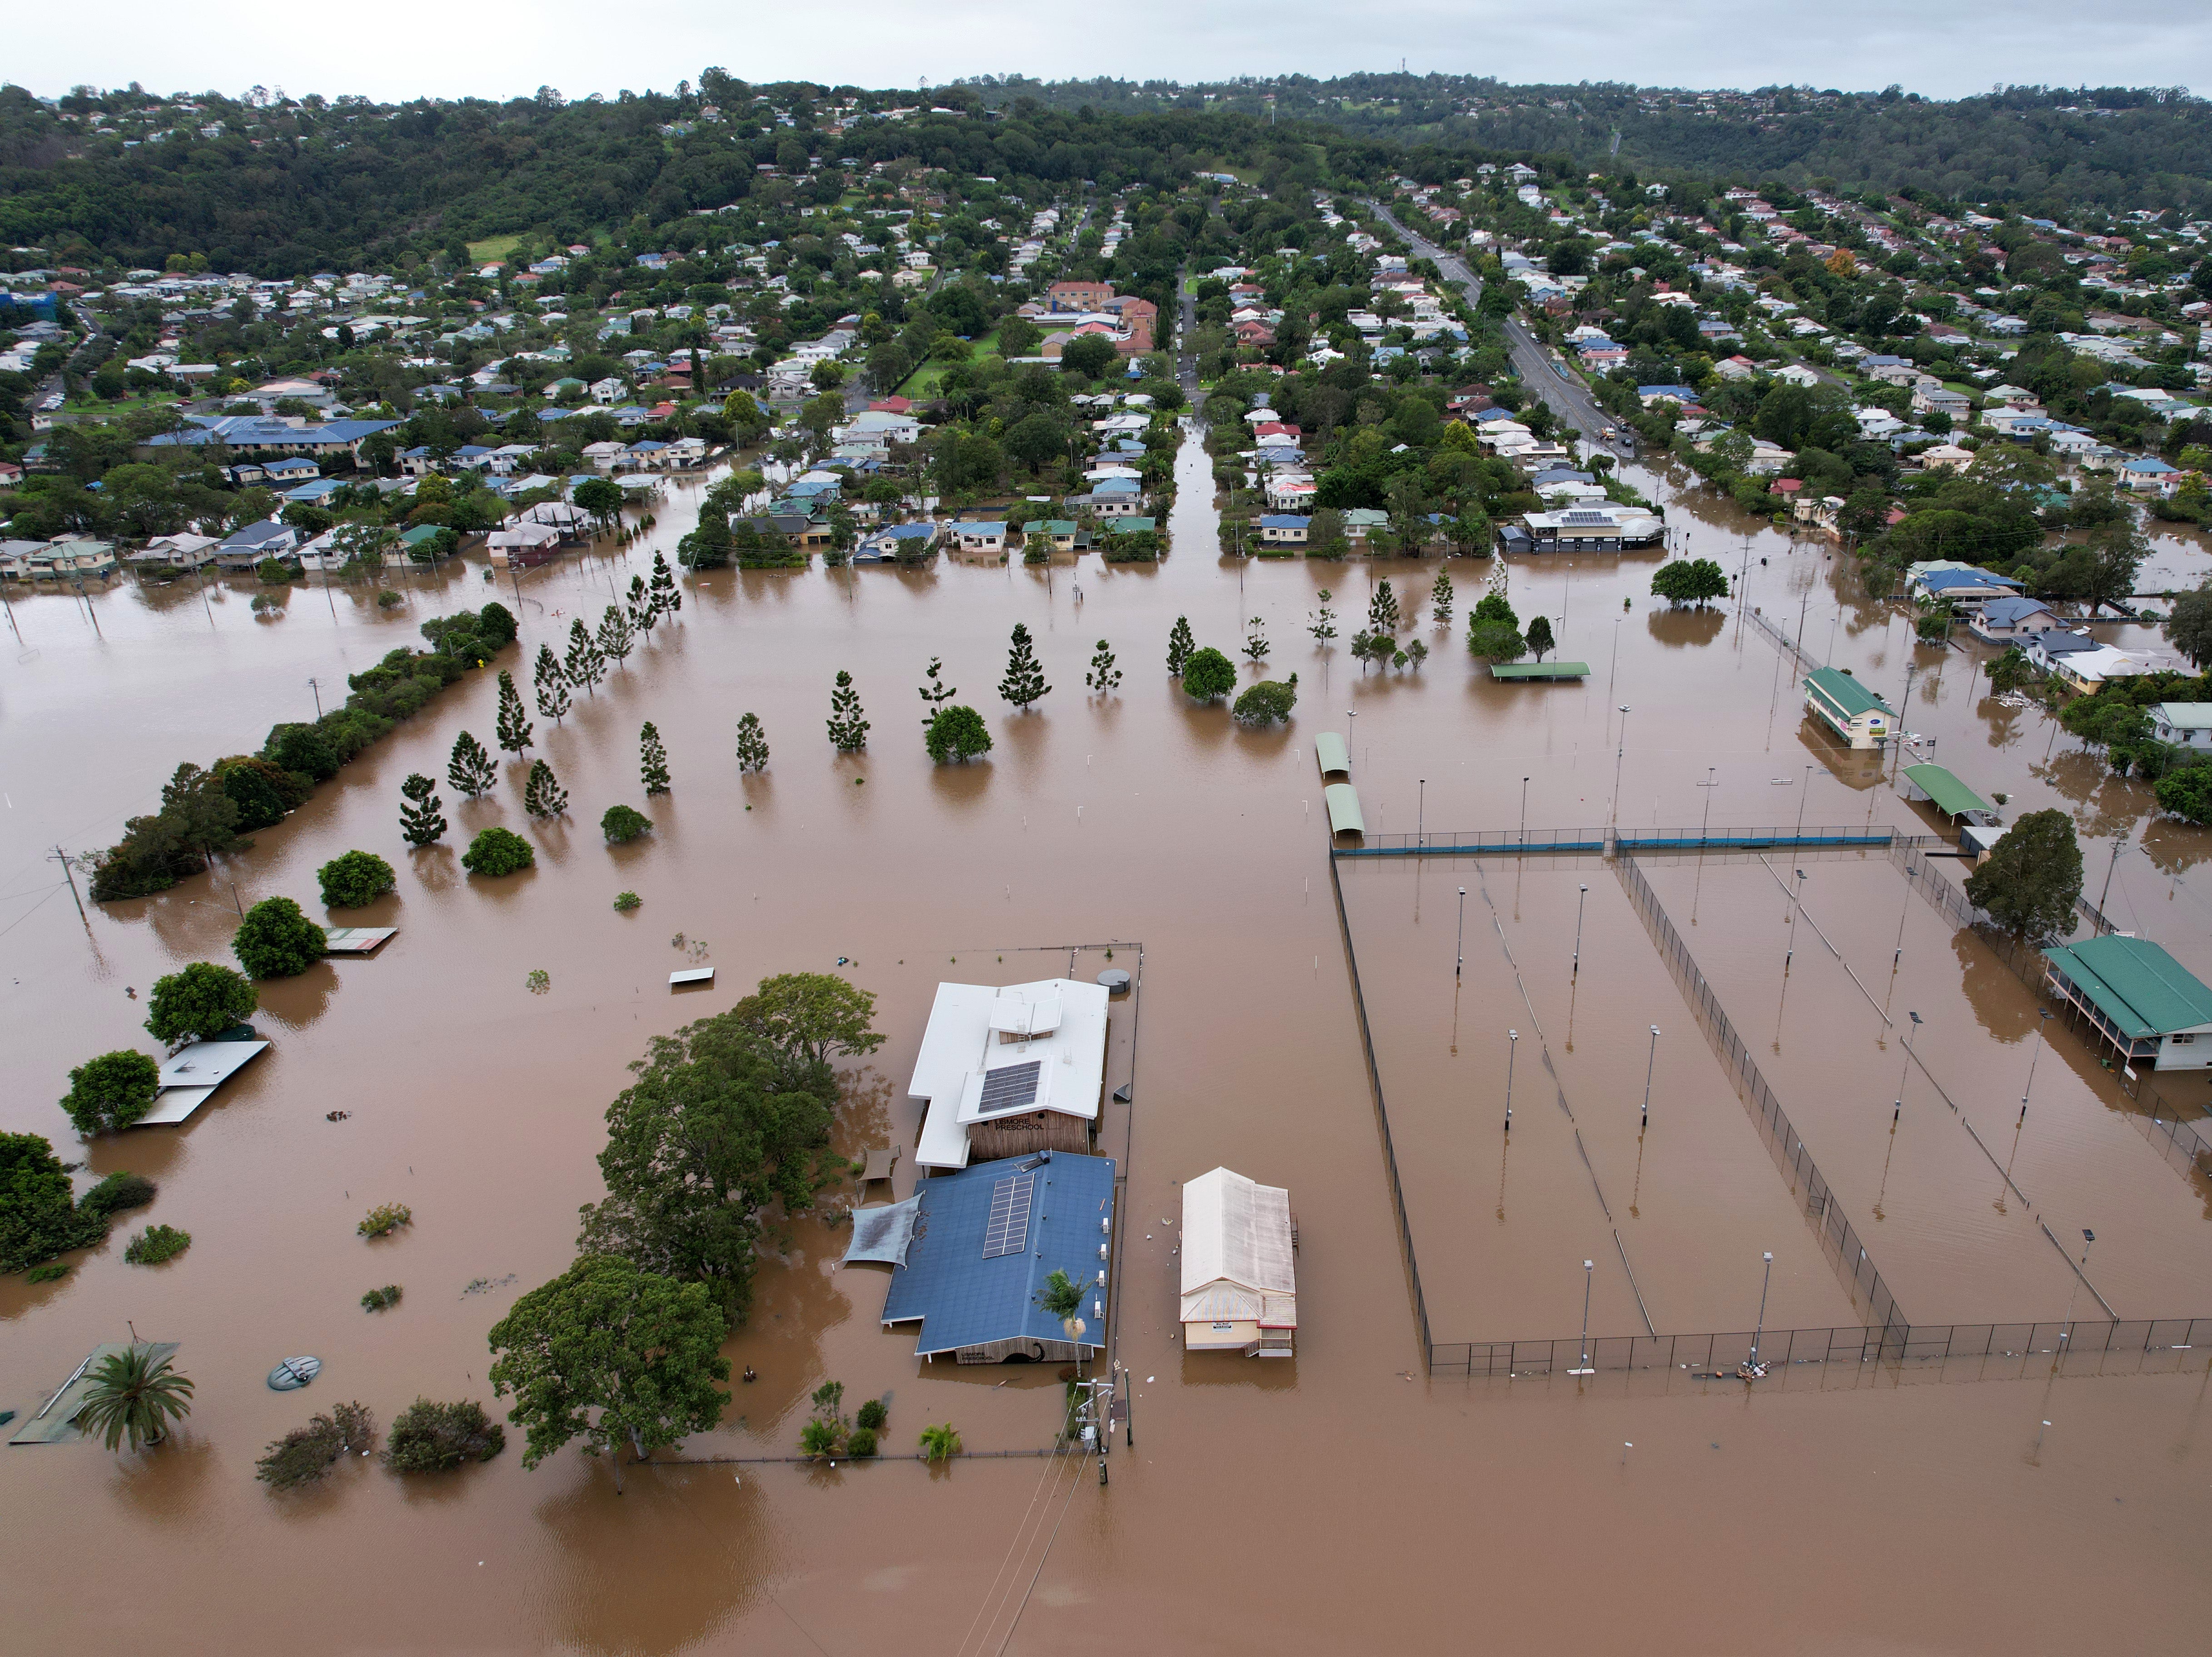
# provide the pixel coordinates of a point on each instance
(1609, 841)
(2133, 1346)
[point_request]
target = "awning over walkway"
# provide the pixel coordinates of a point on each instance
(1540, 669)
(1951, 798)
(1344, 816)
(1330, 750)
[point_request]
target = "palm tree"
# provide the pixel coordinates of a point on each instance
(940, 1443)
(134, 1395)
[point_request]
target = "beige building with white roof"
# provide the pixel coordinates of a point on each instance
(1006, 1070)
(1240, 1290)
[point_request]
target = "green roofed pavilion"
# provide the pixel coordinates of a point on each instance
(2143, 1001)
(1951, 798)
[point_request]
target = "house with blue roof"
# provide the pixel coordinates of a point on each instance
(1961, 584)
(985, 1240)
(2149, 475)
(257, 434)
(315, 494)
(1285, 529)
(1652, 394)
(886, 544)
(2002, 620)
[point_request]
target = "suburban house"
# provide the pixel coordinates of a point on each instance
(972, 1251)
(1838, 700)
(1999, 621)
(255, 434)
(1592, 528)
(1055, 535)
(885, 545)
(1010, 1070)
(1240, 1290)
(2048, 648)
(1941, 399)
(973, 537)
(247, 547)
(1959, 583)
(2149, 475)
(2151, 1009)
(183, 551)
(1285, 529)
(2085, 669)
(2185, 724)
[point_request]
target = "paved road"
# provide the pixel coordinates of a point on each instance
(1567, 397)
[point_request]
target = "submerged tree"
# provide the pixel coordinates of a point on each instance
(615, 639)
(2032, 878)
(306, 1454)
(607, 1352)
(752, 743)
(543, 796)
(849, 732)
(1256, 639)
(133, 1398)
(957, 733)
(1383, 617)
(513, 728)
(1441, 599)
(1104, 676)
(1540, 636)
(1180, 645)
(653, 759)
(199, 1003)
(470, 770)
(1323, 626)
(1024, 681)
(552, 685)
(422, 819)
(1209, 675)
(935, 693)
(666, 599)
(585, 666)
(640, 609)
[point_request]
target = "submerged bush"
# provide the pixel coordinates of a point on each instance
(623, 824)
(355, 879)
(277, 940)
(626, 902)
(429, 1437)
(111, 1091)
(498, 851)
(155, 1244)
(116, 1193)
(306, 1454)
(384, 1219)
(378, 1300)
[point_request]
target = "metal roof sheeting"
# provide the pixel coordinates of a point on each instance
(1952, 798)
(1344, 817)
(1238, 1262)
(2144, 991)
(1330, 750)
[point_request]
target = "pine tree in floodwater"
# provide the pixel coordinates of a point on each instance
(471, 770)
(653, 759)
(752, 744)
(543, 796)
(514, 727)
(552, 685)
(422, 821)
(849, 732)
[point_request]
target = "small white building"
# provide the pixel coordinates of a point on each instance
(1009, 1070)
(1240, 1290)
(2185, 724)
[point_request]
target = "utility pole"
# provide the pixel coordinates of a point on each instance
(2118, 846)
(59, 856)
(316, 685)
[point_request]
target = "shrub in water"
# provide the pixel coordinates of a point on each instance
(111, 1091)
(378, 1299)
(355, 879)
(498, 851)
(384, 1219)
(203, 1000)
(622, 823)
(115, 1194)
(157, 1243)
(626, 902)
(306, 1454)
(861, 1442)
(277, 940)
(872, 1415)
(429, 1437)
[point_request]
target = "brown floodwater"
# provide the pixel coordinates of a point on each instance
(1341, 1502)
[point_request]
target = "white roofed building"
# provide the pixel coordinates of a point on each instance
(1010, 1070)
(1239, 1276)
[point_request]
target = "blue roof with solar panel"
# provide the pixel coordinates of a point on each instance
(988, 1238)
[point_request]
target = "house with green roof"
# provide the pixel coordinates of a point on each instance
(2149, 1006)
(1847, 708)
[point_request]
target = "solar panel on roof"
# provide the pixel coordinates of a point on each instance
(1007, 1231)
(1588, 518)
(1011, 1088)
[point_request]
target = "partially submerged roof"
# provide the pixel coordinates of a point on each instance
(991, 1051)
(191, 1075)
(1238, 1264)
(1330, 750)
(1844, 694)
(1344, 814)
(985, 1240)
(1952, 798)
(1540, 669)
(54, 1424)
(2135, 984)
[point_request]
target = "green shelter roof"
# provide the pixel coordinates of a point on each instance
(1845, 693)
(1330, 749)
(2134, 983)
(1952, 797)
(1344, 816)
(1540, 669)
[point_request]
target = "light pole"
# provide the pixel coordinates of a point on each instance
(1648, 1065)
(1460, 948)
(1579, 901)
(1802, 794)
(1760, 1328)
(1617, 754)
(1512, 1047)
(316, 685)
(1907, 1069)
(1525, 814)
(2088, 1237)
(1796, 902)
(1708, 784)
(2043, 1018)
(1421, 816)
(1586, 1370)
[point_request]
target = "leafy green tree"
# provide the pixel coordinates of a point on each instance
(1494, 631)
(133, 1397)
(498, 851)
(264, 792)
(935, 693)
(552, 685)
(204, 816)
(2189, 625)
(1323, 626)
(1383, 616)
(585, 666)
(422, 819)
(606, 1352)
(470, 770)
(810, 1018)
(1180, 645)
(666, 600)
(623, 824)
(1208, 675)
(940, 1443)
(1024, 681)
(1061, 1296)
(849, 732)
(957, 733)
(615, 639)
(514, 729)
(1441, 599)
(277, 940)
(203, 1000)
(1087, 356)
(752, 744)
(543, 796)
(653, 760)
(1267, 701)
(2186, 793)
(1104, 677)
(1256, 639)
(2032, 878)
(638, 607)
(1689, 581)
(354, 879)
(429, 1437)
(39, 1219)
(1540, 636)
(602, 497)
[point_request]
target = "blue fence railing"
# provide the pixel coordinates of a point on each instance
(1449, 842)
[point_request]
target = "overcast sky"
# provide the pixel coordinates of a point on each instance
(405, 48)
